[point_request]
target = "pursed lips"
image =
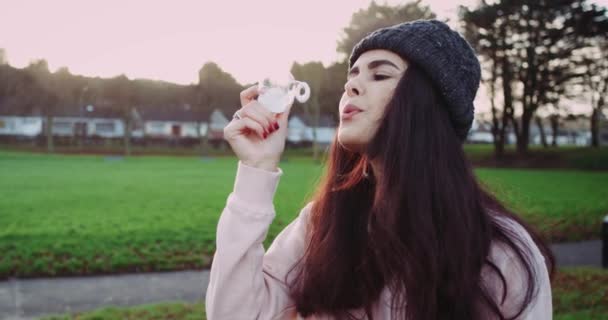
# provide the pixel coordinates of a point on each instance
(349, 111)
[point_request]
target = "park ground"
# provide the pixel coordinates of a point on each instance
(65, 215)
(578, 294)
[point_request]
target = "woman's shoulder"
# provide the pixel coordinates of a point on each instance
(305, 212)
(512, 268)
(307, 208)
(508, 259)
(517, 233)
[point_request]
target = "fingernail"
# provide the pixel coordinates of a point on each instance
(276, 126)
(265, 135)
(271, 128)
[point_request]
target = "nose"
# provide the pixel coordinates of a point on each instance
(352, 87)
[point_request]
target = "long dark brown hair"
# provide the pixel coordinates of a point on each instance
(424, 229)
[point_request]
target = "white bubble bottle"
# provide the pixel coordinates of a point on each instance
(280, 92)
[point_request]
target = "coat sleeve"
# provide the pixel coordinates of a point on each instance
(541, 307)
(246, 282)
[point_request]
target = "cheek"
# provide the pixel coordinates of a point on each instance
(383, 100)
(378, 111)
(342, 99)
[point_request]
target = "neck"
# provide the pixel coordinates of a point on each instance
(376, 168)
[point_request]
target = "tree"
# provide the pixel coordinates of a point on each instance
(491, 44)
(6, 78)
(312, 73)
(3, 57)
(219, 89)
(72, 95)
(53, 92)
(120, 91)
(531, 44)
(195, 97)
(39, 71)
(378, 16)
(216, 89)
(595, 62)
(332, 89)
(20, 91)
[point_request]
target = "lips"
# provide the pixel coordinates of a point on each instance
(349, 111)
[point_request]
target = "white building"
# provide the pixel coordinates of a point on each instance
(301, 129)
(29, 126)
(217, 122)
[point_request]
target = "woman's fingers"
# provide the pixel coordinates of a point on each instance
(251, 125)
(259, 113)
(254, 110)
(249, 95)
(282, 117)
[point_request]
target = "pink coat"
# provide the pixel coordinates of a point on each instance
(247, 283)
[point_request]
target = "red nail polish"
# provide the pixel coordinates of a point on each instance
(276, 126)
(265, 135)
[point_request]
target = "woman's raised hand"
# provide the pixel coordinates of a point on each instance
(258, 137)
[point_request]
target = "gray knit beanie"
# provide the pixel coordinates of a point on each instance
(442, 53)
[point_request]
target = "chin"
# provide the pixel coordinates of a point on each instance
(349, 142)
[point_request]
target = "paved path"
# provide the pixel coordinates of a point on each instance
(584, 253)
(22, 299)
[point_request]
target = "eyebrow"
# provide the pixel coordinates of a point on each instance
(372, 65)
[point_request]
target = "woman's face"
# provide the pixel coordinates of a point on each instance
(369, 87)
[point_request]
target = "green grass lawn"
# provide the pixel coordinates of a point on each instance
(581, 293)
(563, 205)
(69, 215)
(571, 157)
(578, 293)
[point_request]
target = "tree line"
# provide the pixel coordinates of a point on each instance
(534, 53)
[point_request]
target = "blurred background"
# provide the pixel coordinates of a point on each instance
(114, 171)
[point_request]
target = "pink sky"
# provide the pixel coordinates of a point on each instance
(171, 40)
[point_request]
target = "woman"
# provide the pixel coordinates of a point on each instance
(400, 227)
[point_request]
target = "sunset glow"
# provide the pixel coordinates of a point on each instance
(172, 40)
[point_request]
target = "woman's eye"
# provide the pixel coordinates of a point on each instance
(380, 77)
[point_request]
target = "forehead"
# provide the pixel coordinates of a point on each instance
(379, 54)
